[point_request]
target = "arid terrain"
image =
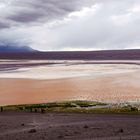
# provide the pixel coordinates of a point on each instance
(66, 126)
(30, 82)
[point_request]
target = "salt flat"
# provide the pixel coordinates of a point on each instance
(64, 69)
(70, 81)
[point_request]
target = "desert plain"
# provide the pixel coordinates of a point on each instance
(37, 82)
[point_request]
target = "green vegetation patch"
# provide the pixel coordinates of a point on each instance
(73, 106)
(88, 103)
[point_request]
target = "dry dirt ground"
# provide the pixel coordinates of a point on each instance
(69, 126)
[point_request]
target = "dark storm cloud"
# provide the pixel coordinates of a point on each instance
(30, 11)
(26, 17)
(18, 18)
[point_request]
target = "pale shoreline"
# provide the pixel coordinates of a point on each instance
(109, 83)
(116, 88)
(113, 88)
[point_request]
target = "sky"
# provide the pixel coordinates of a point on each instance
(70, 25)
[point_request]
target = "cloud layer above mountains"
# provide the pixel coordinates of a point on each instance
(70, 24)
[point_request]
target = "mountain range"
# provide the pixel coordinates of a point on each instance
(14, 49)
(25, 52)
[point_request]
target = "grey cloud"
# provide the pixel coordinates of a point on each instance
(19, 16)
(113, 25)
(26, 17)
(39, 10)
(4, 25)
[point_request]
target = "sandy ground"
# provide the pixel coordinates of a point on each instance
(54, 126)
(107, 88)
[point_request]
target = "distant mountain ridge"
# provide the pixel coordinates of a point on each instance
(73, 55)
(15, 49)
